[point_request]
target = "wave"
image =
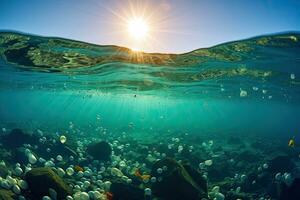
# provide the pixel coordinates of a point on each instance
(269, 62)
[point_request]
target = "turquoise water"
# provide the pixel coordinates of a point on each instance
(248, 89)
(249, 85)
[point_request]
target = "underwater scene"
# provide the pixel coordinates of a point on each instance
(83, 121)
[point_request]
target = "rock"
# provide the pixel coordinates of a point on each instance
(7, 195)
(248, 156)
(197, 177)
(100, 150)
(122, 191)
(292, 192)
(17, 138)
(178, 182)
(40, 180)
(20, 156)
(281, 163)
(3, 171)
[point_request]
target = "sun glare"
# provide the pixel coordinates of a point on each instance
(139, 25)
(138, 28)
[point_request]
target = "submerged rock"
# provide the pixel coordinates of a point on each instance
(100, 150)
(248, 156)
(40, 180)
(17, 138)
(176, 181)
(3, 171)
(292, 192)
(122, 191)
(7, 195)
(281, 163)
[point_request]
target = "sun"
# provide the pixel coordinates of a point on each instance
(138, 28)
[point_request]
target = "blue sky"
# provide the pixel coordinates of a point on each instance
(178, 26)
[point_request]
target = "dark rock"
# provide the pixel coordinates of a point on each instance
(178, 182)
(248, 156)
(292, 192)
(281, 163)
(100, 150)
(197, 177)
(40, 180)
(7, 195)
(17, 138)
(274, 189)
(264, 179)
(218, 172)
(19, 155)
(3, 171)
(122, 191)
(6, 154)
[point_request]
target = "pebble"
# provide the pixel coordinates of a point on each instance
(69, 197)
(122, 164)
(5, 184)
(11, 180)
(243, 177)
(293, 76)
(215, 189)
(42, 160)
(153, 179)
(59, 158)
(287, 178)
(243, 93)
(80, 174)
(148, 192)
(49, 163)
(107, 185)
(70, 171)
(278, 176)
(46, 198)
(18, 171)
(98, 195)
(60, 172)
(116, 172)
(255, 88)
(208, 162)
(31, 158)
(159, 170)
(129, 181)
(86, 184)
(219, 196)
(83, 196)
(23, 184)
(62, 139)
(16, 189)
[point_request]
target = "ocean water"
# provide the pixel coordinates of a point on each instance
(248, 89)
